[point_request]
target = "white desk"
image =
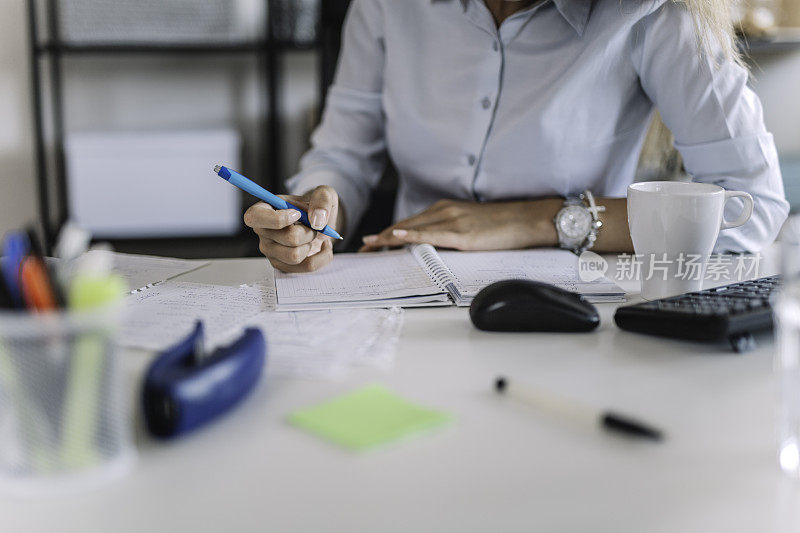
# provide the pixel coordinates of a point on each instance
(499, 467)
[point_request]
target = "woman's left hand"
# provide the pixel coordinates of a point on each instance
(473, 226)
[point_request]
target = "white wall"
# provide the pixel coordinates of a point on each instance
(776, 79)
(17, 187)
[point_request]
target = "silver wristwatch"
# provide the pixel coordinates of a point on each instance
(578, 222)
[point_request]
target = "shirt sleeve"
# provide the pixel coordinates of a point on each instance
(716, 119)
(348, 148)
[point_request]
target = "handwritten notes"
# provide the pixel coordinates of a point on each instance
(475, 270)
(356, 278)
(328, 344)
(161, 315)
(309, 345)
(142, 270)
(422, 275)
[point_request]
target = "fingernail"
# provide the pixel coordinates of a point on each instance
(369, 239)
(294, 215)
(319, 218)
(399, 233)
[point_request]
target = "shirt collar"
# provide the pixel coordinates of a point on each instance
(575, 12)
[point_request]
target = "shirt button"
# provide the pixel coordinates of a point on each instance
(471, 159)
(486, 103)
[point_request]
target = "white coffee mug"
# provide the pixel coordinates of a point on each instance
(674, 226)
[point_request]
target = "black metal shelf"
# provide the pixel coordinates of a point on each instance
(48, 51)
(242, 244)
(784, 40)
(255, 47)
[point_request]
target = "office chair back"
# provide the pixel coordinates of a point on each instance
(332, 14)
(379, 213)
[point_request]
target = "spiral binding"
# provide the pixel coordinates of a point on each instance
(436, 269)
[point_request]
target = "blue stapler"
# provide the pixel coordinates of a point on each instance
(185, 389)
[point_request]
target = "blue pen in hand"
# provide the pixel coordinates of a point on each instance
(261, 193)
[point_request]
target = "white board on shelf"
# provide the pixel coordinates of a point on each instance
(153, 184)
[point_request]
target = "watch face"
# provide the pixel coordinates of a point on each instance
(575, 222)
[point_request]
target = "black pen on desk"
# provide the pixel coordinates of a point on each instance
(606, 419)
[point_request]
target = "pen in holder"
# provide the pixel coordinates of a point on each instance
(64, 422)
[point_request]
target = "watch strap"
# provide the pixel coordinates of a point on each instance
(587, 201)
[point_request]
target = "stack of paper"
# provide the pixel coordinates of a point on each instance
(142, 271)
(314, 345)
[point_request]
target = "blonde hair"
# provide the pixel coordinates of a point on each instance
(714, 25)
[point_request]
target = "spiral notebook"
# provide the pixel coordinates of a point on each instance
(423, 276)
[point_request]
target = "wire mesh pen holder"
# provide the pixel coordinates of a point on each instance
(64, 422)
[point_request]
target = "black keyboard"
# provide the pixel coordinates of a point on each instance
(730, 313)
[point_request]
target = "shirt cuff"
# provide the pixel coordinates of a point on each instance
(351, 197)
(747, 164)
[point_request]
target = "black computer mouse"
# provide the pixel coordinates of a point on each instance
(525, 305)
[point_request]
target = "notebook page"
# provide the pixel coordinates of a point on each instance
(475, 270)
(159, 316)
(142, 270)
(307, 345)
(329, 344)
(372, 277)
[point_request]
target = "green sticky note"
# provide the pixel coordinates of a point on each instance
(367, 417)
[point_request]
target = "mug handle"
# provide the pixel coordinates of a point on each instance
(746, 212)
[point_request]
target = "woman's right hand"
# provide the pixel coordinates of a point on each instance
(288, 245)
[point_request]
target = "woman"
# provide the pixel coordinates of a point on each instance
(505, 118)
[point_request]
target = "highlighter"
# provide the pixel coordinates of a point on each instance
(93, 287)
(34, 281)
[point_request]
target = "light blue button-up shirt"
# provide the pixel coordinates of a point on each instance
(554, 101)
